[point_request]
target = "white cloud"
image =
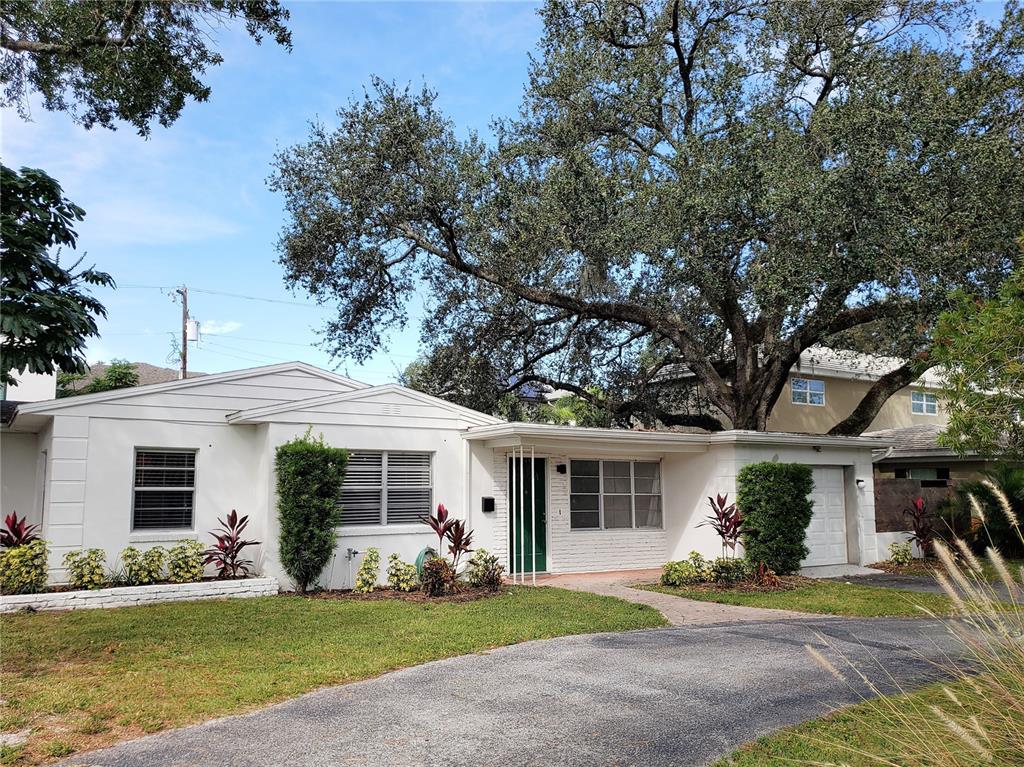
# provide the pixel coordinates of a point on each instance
(218, 327)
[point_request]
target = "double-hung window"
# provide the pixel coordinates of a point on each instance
(613, 495)
(805, 391)
(164, 489)
(923, 403)
(386, 488)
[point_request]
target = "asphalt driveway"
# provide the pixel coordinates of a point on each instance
(678, 696)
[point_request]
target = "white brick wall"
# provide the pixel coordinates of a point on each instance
(577, 550)
(131, 596)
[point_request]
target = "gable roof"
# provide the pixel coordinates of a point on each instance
(178, 385)
(253, 415)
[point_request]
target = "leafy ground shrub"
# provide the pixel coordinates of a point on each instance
(141, 568)
(185, 562)
(86, 568)
(438, 577)
(401, 575)
(369, 569)
(773, 498)
(686, 572)
(730, 570)
(901, 553)
(23, 568)
(485, 570)
(309, 478)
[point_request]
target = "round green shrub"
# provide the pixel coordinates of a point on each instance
(774, 500)
(309, 478)
(86, 568)
(369, 569)
(438, 577)
(901, 554)
(401, 575)
(728, 571)
(23, 568)
(185, 562)
(485, 570)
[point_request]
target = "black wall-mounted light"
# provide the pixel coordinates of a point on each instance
(486, 505)
(560, 468)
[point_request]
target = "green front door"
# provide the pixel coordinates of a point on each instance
(529, 524)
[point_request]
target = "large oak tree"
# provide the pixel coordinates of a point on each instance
(694, 193)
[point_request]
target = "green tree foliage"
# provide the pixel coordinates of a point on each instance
(46, 312)
(135, 61)
(981, 346)
(309, 477)
(1000, 494)
(693, 194)
(774, 500)
(119, 374)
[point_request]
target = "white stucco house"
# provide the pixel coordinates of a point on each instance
(155, 464)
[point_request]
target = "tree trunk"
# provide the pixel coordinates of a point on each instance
(862, 415)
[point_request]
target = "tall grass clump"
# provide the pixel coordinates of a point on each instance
(977, 716)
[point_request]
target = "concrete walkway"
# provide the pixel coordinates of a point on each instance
(678, 611)
(678, 697)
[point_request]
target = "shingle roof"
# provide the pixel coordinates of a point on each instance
(148, 374)
(913, 440)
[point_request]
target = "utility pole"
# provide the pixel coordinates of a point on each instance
(183, 292)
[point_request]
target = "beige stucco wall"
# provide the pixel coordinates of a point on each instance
(841, 397)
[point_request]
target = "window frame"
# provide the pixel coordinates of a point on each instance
(806, 392)
(135, 489)
(601, 527)
(383, 487)
(927, 399)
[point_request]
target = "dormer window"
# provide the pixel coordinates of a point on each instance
(923, 403)
(807, 392)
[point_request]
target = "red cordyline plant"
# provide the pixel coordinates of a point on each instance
(226, 553)
(453, 529)
(922, 525)
(726, 520)
(17, 532)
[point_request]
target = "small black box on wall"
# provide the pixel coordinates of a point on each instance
(487, 504)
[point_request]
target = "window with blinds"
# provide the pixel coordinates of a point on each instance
(386, 488)
(164, 489)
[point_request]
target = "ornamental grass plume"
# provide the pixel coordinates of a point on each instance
(974, 718)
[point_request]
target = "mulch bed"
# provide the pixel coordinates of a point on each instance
(786, 583)
(465, 594)
(917, 567)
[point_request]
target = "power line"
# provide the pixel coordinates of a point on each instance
(244, 296)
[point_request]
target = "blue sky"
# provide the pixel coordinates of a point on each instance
(190, 205)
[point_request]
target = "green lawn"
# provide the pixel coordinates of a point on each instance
(826, 597)
(85, 679)
(900, 731)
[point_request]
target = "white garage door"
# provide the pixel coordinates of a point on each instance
(826, 535)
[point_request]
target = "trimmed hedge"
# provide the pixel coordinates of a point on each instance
(309, 477)
(774, 499)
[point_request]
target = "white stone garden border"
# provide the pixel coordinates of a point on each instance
(130, 596)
